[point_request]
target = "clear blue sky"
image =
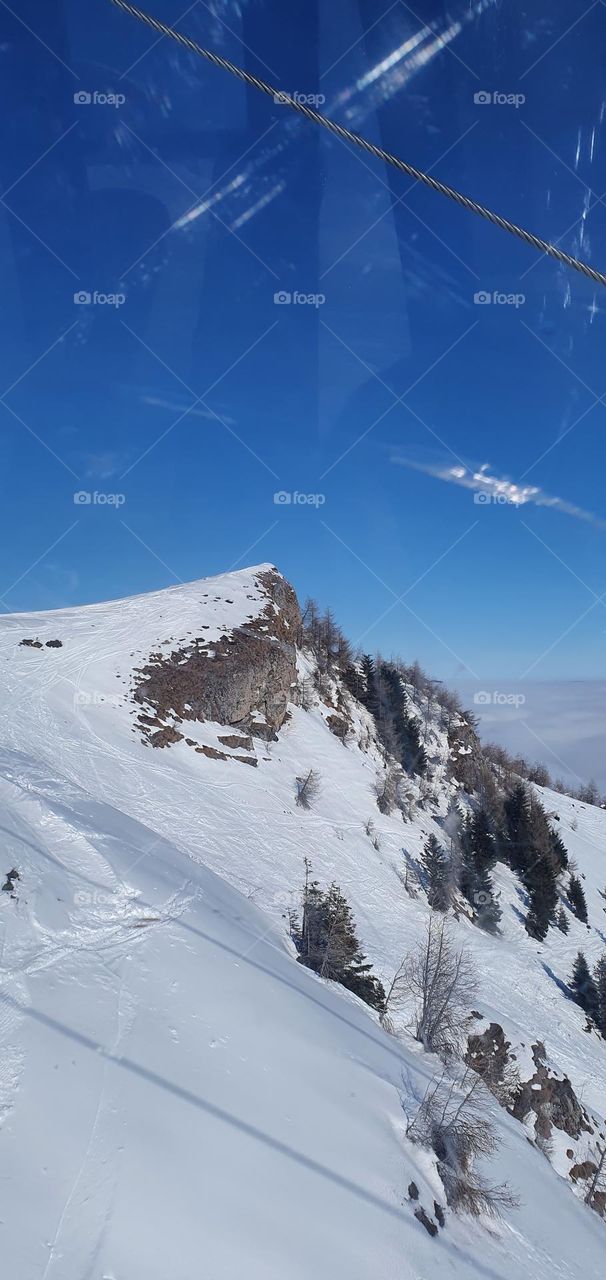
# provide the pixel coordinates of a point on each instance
(306, 396)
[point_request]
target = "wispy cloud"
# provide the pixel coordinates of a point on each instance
(101, 466)
(196, 412)
(499, 488)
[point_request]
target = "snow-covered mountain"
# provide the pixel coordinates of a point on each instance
(178, 1096)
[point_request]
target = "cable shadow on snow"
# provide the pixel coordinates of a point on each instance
(242, 1126)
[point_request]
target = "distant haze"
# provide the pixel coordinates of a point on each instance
(561, 724)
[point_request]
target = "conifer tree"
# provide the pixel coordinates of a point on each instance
(327, 943)
(600, 982)
(560, 852)
(540, 881)
(518, 827)
(583, 987)
(439, 892)
(488, 911)
(577, 898)
(483, 838)
(369, 675)
(562, 921)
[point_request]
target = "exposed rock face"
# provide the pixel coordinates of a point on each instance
(553, 1101)
(244, 679)
(488, 1054)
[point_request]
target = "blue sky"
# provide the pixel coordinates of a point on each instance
(193, 202)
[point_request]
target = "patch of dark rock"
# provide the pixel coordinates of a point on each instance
(488, 1054)
(10, 882)
(439, 1212)
(339, 726)
(553, 1101)
(165, 737)
(54, 644)
(422, 1217)
(413, 1191)
(32, 644)
(234, 740)
(245, 760)
(212, 753)
(582, 1171)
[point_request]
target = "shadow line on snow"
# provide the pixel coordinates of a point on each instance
(240, 1125)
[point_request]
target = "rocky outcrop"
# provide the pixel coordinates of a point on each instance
(551, 1099)
(488, 1054)
(244, 679)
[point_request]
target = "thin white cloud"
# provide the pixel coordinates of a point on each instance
(196, 412)
(101, 466)
(499, 488)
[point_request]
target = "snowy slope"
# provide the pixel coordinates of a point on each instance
(179, 1096)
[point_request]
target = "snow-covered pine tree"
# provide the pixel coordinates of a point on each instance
(437, 866)
(369, 676)
(487, 909)
(484, 840)
(327, 942)
(518, 827)
(577, 898)
(562, 921)
(600, 982)
(540, 880)
(583, 987)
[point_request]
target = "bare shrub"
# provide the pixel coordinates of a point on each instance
(308, 789)
(307, 697)
(441, 981)
(453, 1120)
(596, 1191)
(386, 789)
(405, 799)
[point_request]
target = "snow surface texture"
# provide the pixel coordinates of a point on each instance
(178, 1097)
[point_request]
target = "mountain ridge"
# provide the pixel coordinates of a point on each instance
(73, 763)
